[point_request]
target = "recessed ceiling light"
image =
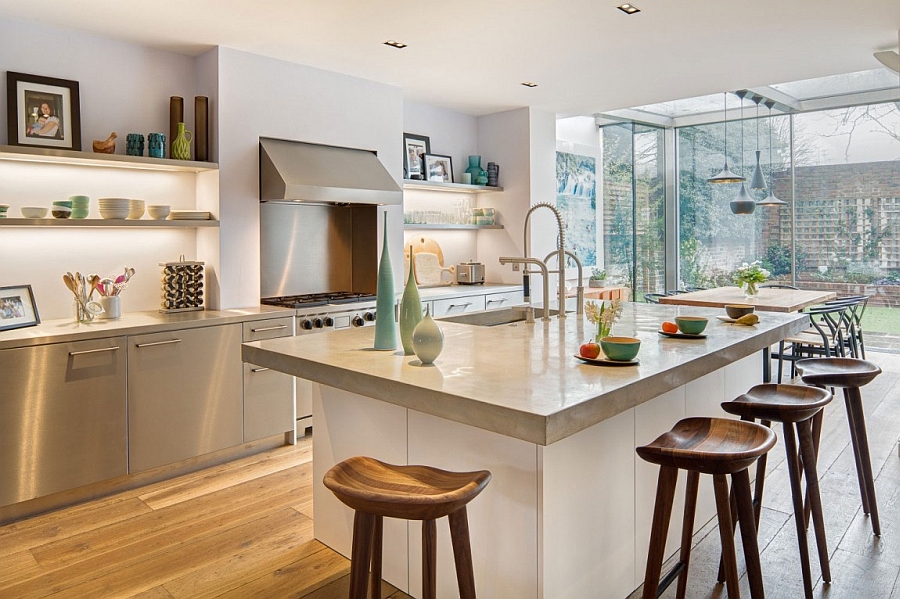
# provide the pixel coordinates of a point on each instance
(393, 44)
(529, 84)
(629, 8)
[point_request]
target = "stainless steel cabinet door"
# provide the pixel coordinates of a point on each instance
(184, 394)
(268, 402)
(62, 417)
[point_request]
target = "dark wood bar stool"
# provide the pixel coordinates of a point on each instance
(719, 447)
(850, 374)
(795, 406)
(376, 490)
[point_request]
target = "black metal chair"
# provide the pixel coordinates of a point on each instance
(853, 336)
(779, 286)
(653, 298)
(826, 337)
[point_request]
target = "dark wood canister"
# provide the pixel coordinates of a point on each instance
(176, 115)
(201, 128)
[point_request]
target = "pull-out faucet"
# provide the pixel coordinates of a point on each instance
(543, 267)
(561, 250)
(579, 297)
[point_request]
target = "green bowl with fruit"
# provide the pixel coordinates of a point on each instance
(620, 349)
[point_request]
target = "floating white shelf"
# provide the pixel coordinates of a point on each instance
(448, 187)
(29, 154)
(102, 222)
(450, 227)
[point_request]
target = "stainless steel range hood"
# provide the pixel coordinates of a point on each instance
(304, 172)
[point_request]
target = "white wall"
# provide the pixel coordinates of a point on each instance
(260, 96)
(123, 88)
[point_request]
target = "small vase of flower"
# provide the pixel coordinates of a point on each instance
(603, 315)
(749, 276)
(597, 278)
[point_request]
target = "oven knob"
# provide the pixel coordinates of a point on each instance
(358, 321)
(317, 323)
(329, 321)
(306, 325)
(369, 316)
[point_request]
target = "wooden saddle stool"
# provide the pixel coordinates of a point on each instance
(376, 490)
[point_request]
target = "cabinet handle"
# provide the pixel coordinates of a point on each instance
(497, 301)
(278, 328)
(169, 342)
(258, 369)
(465, 305)
(92, 351)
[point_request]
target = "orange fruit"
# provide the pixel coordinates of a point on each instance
(669, 327)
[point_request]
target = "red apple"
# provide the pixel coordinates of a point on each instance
(590, 350)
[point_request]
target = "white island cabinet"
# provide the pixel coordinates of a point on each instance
(568, 510)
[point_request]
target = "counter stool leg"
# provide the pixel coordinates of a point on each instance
(854, 404)
(720, 484)
(854, 438)
(361, 553)
(741, 483)
(790, 446)
(816, 436)
(808, 454)
(429, 559)
(462, 553)
(687, 530)
(665, 495)
(375, 579)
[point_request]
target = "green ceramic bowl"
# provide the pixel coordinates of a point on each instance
(691, 325)
(620, 349)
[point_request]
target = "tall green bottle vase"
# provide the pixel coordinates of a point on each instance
(410, 309)
(385, 321)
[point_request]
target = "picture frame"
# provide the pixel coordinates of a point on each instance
(43, 112)
(18, 308)
(438, 168)
(414, 149)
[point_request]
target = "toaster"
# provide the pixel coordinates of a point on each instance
(470, 273)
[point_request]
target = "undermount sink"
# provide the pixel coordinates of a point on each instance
(492, 318)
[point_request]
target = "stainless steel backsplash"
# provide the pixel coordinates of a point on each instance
(311, 248)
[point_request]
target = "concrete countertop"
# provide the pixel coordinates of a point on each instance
(66, 330)
(522, 380)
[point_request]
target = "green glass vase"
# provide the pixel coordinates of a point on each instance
(410, 309)
(181, 145)
(385, 321)
(428, 339)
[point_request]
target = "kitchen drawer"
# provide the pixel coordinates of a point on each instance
(272, 328)
(184, 394)
(62, 417)
(495, 301)
(457, 305)
(268, 402)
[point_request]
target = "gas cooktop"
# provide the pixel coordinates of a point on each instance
(310, 300)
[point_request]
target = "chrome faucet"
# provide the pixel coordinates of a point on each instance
(543, 267)
(579, 294)
(561, 251)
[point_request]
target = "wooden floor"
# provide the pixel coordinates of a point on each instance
(244, 530)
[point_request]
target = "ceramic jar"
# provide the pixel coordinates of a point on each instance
(479, 175)
(428, 339)
(181, 145)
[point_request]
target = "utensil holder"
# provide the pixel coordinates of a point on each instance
(182, 286)
(112, 307)
(81, 313)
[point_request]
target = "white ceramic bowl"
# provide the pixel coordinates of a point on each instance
(114, 213)
(34, 212)
(136, 209)
(159, 212)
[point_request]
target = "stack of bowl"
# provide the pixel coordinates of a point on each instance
(3, 209)
(114, 208)
(61, 209)
(34, 211)
(136, 209)
(81, 206)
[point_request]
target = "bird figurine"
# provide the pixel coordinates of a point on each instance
(107, 146)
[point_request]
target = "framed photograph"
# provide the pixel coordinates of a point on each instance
(17, 308)
(438, 168)
(43, 112)
(414, 149)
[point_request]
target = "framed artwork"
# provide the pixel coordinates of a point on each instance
(17, 308)
(414, 149)
(438, 168)
(43, 111)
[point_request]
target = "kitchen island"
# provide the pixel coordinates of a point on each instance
(567, 513)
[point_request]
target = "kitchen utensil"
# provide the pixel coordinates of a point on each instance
(601, 361)
(428, 270)
(470, 273)
(420, 243)
(69, 281)
(135, 209)
(681, 335)
(93, 281)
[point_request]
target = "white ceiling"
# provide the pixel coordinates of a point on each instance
(471, 56)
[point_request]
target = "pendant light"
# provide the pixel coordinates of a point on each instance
(771, 200)
(757, 181)
(725, 175)
(743, 203)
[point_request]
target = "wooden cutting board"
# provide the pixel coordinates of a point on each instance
(428, 270)
(420, 243)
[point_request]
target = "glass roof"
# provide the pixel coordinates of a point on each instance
(688, 106)
(839, 85)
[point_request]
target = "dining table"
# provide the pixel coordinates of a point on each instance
(769, 299)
